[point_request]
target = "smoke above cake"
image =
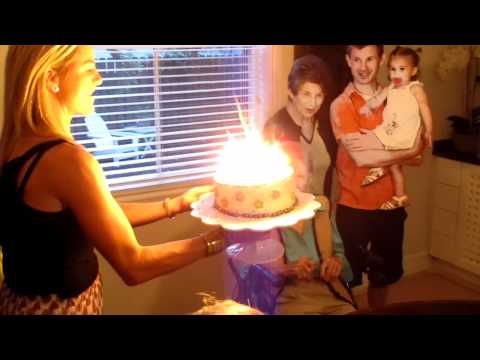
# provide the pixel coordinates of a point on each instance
(250, 161)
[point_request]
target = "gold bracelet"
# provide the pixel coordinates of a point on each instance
(218, 245)
(213, 246)
(167, 209)
(207, 245)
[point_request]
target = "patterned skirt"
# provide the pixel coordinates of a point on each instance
(89, 302)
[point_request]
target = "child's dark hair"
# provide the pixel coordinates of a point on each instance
(309, 68)
(410, 53)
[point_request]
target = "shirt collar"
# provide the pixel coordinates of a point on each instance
(350, 90)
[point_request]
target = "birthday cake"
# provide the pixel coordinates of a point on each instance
(254, 181)
(264, 200)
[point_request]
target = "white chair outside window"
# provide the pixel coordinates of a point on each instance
(107, 141)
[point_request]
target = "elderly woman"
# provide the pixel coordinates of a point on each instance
(310, 288)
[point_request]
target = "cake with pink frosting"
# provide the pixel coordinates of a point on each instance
(254, 181)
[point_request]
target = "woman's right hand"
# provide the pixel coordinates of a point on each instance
(183, 202)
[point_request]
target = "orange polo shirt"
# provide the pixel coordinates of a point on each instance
(346, 119)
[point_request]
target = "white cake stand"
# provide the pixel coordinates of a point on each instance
(304, 209)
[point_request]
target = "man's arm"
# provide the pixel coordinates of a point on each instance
(380, 158)
(340, 113)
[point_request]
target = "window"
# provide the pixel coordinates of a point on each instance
(163, 113)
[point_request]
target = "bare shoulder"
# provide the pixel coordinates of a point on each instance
(269, 130)
(342, 104)
(70, 156)
(70, 163)
(337, 102)
(417, 89)
(335, 107)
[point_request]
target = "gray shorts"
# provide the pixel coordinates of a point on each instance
(310, 298)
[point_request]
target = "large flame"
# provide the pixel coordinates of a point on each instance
(251, 161)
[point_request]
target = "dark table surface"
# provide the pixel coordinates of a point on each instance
(445, 149)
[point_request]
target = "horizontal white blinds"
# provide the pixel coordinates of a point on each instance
(162, 114)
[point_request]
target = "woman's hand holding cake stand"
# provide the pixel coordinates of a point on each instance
(182, 203)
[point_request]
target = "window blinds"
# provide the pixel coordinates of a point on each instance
(163, 113)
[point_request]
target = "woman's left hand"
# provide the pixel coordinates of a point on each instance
(194, 194)
(331, 268)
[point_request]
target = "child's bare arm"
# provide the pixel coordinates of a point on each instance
(373, 103)
(378, 99)
(421, 96)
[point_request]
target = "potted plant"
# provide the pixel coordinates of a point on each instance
(466, 132)
(466, 127)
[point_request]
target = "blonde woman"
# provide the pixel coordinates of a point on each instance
(56, 207)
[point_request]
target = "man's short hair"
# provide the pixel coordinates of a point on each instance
(379, 49)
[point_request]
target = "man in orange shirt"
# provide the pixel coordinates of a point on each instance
(359, 221)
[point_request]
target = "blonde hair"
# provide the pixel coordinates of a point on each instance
(213, 306)
(26, 95)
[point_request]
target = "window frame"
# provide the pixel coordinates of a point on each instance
(275, 57)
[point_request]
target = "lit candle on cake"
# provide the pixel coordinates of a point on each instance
(254, 179)
(255, 187)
